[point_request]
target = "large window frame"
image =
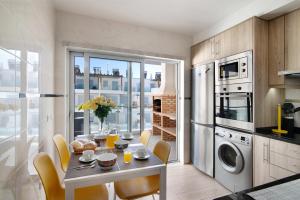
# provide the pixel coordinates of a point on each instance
(87, 56)
(139, 59)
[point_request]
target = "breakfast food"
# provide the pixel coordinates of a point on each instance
(81, 145)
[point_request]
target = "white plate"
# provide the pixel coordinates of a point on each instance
(82, 159)
(141, 158)
(127, 138)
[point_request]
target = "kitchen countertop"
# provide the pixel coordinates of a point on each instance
(267, 132)
(243, 194)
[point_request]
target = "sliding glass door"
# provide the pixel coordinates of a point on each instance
(112, 77)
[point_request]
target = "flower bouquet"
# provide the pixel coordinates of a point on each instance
(101, 106)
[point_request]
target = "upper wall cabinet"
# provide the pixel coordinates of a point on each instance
(203, 52)
(232, 41)
(235, 40)
(276, 51)
(292, 41)
(284, 45)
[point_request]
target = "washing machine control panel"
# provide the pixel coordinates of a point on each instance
(234, 136)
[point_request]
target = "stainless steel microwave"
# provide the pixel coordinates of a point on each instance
(234, 69)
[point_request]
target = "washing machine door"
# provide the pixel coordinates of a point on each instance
(230, 157)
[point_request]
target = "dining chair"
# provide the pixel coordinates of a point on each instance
(143, 186)
(63, 151)
(54, 189)
(145, 137)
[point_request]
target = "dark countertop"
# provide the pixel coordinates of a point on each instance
(243, 194)
(267, 132)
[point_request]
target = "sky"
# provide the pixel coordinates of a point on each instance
(108, 65)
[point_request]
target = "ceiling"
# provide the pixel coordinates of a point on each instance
(182, 16)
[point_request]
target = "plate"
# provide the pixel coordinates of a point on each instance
(127, 138)
(141, 158)
(82, 159)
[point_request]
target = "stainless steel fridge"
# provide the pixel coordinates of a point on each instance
(202, 140)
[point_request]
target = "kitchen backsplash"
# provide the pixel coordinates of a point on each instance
(293, 95)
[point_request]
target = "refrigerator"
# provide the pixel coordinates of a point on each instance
(202, 137)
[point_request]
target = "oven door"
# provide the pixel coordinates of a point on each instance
(235, 110)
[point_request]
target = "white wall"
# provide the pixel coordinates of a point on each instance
(82, 31)
(27, 25)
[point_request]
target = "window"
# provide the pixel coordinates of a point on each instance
(115, 85)
(105, 85)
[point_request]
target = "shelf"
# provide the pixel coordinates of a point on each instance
(169, 130)
(172, 116)
(157, 126)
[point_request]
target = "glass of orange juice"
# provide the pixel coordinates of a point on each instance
(111, 139)
(127, 156)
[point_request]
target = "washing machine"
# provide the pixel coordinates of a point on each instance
(233, 159)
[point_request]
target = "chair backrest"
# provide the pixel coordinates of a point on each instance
(49, 177)
(145, 137)
(162, 151)
(63, 151)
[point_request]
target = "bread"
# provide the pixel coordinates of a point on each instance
(77, 145)
(90, 145)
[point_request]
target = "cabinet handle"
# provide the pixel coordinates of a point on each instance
(265, 152)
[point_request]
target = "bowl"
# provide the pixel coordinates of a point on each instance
(121, 144)
(98, 138)
(106, 159)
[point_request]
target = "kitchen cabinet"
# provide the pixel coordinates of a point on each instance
(203, 52)
(232, 41)
(274, 159)
(292, 41)
(276, 51)
(235, 40)
(284, 44)
(261, 160)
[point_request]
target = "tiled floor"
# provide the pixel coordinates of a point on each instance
(184, 182)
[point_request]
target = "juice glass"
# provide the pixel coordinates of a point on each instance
(111, 139)
(127, 156)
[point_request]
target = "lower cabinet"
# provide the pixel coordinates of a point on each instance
(274, 159)
(261, 168)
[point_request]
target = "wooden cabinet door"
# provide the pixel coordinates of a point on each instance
(292, 41)
(276, 51)
(203, 52)
(261, 166)
(235, 40)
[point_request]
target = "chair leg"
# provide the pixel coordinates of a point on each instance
(153, 197)
(115, 196)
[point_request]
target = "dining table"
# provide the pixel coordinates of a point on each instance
(77, 178)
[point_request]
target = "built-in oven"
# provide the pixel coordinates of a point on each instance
(234, 69)
(234, 106)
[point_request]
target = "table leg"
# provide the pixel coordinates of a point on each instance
(163, 183)
(69, 192)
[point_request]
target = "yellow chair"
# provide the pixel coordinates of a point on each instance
(55, 191)
(145, 137)
(63, 151)
(143, 186)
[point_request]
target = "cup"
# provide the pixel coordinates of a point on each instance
(88, 154)
(141, 152)
(127, 135)
(127, 156)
